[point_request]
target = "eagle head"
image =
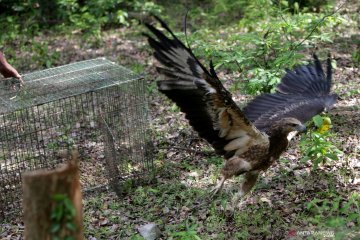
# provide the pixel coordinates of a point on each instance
(286, 125)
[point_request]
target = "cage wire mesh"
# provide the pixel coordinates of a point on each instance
(95, 106)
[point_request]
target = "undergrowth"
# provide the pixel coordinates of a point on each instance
(264, 43)
(318, 144)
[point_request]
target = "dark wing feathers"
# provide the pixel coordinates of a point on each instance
(201, 96)
(190, 102)
(173, 52)
(302, 93)
(263, 104)
(328, 74)
(300, 108)
(307, 80)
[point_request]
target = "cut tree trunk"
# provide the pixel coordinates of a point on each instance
(46, 198)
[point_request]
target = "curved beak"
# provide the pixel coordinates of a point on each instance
(301, 128)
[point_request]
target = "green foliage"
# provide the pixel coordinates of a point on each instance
(70, 16)
(174, 108)
(64, 140)
(316, 144)
(188, 232)
(62, 217)
(216, 160)
(355, 57)
(42, 55)
(151, 87)
(263, 43)
(304, 5)
(337, 214)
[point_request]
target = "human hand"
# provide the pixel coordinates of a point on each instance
(9, 71)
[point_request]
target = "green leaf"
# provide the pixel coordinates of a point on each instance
(53, 215)
(335, 205)
(58, 197)
(179, 234)
(137, 237)
(71, 226)
(153, 190)
(318, 121)
(70, 209)
(333, 64)
(58, 213)
(353, 216)
(332, 156)
(174, 108)
(296, 7)
(55, 227)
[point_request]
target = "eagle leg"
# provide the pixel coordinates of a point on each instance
(218, 186)
(248, 183)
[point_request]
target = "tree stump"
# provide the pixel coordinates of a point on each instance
(52, 203)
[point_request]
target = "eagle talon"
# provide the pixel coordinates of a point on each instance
(218, 187)
(237, 200)
(214, 192)
(237, 197)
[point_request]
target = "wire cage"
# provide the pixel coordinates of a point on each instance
(95, 106)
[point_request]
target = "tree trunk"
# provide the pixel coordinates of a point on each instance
(52, 203)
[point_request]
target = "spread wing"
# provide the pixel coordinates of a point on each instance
(199, 93)
(302, 93)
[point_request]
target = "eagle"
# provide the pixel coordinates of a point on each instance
(249, 139)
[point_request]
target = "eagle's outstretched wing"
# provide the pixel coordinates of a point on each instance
(301, 94)
(200, 94)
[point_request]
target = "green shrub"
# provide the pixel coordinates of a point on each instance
(185, 232)
(338, 214)
(263, 43)
(62, 217)
(316, 144)
(305, 5)
(87, 17)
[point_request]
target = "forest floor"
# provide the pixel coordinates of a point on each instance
(288, 200)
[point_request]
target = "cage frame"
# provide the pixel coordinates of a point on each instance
(91, 104)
